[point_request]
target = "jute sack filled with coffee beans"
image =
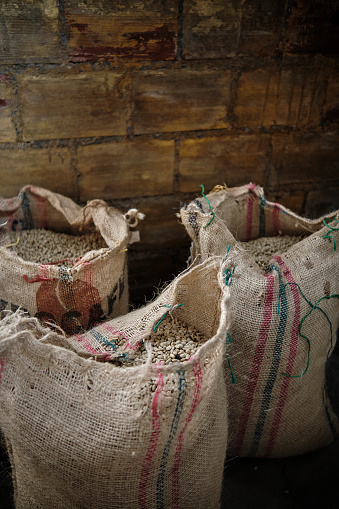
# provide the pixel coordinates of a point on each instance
(63, 263)
(285, 314)
(119, 434)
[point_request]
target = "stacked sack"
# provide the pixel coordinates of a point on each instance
(75, 294)
(86, 426)
(284, 319)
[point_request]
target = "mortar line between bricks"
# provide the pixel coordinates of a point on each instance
(180, 30)
(176, 168)
(165, 136)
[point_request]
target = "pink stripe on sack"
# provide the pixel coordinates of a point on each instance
(177, 457)
(152, 445)
(113, 330)
(2, 367)
(291, 359)
(255, 370)
(275, 218)
(85, 343)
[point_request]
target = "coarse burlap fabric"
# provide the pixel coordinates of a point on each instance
(275, 329)
(75, 298)
(90, 434)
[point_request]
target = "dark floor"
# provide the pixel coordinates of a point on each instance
(300, 482)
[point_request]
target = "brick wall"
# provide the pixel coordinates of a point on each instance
(139, 103)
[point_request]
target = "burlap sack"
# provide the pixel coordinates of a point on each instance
(74, 298)
(281, 332)
(89, 434)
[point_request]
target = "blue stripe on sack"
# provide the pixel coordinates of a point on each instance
(262, 218)
(99, 337)
(274, 368)
(174, 427)
(28, 223)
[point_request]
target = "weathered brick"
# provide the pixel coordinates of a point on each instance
(331, 108)
(48, 167)
(129, 30)
(7, 130)
(260, 28)
(230, 160)
(304, 157)
(290, 97)
(30, 32)
(210, 29)
(180, 100)
(312, 28)
(62, 105)
(125, 169)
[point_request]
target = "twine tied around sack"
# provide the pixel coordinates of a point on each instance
(228, 272)
(13, 244)
(171, 308)
(315, 306)
(133, 216)
(210, 207)
(331, 229)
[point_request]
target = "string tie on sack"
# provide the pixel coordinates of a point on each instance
(315, 306)
(133, 216)
(228, 272)
(13, 244)
(209, 205)
(331, 229)
(165, 314)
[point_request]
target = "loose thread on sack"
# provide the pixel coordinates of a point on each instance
(228, 248)
(331, 229)
(228, 275)
(308, 341)
(228, 272)
(165, 314)
(37, 279)
(315, 306)
(14, 244)
(229, 340)
(61, 261)
(210, 207)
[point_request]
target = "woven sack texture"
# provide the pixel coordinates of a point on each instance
(75, 298)
(84, 433)
(280, 339)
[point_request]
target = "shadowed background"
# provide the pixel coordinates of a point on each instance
(140, 102)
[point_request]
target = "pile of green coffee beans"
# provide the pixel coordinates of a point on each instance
(263, 248)
(44, 246)
(171, 341)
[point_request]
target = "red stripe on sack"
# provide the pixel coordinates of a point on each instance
(249, 217)
(2, 367)
(293, 352)
(152, 446)
(276, 219)
(89, 347)
(175, 471)
(255, 370)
